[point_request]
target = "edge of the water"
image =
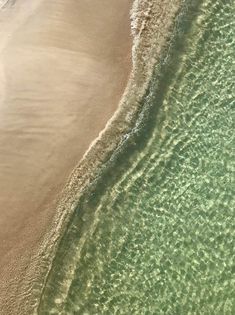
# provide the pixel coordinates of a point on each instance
(152, 34)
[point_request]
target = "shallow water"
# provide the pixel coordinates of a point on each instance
(157, 236)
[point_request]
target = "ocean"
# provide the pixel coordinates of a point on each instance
(156, 234)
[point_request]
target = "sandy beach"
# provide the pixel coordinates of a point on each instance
(63, 68)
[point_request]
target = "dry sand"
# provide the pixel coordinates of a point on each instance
(64, 65)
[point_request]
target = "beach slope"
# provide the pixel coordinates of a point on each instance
(63, 68)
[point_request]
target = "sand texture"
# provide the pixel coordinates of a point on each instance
(63, 68)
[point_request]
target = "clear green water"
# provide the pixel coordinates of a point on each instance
(157, 236)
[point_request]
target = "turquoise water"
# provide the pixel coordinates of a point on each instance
(157, 235)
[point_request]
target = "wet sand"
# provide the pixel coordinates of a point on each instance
(63, 68)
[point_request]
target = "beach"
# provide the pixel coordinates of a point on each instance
(64, 66)
(116, 157)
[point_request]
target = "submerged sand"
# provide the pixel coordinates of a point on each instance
(63, 68)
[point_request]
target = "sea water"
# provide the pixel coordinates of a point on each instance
(157, 234)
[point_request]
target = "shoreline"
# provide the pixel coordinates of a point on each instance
(151, 38)
(144, 57)
(56, 96)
